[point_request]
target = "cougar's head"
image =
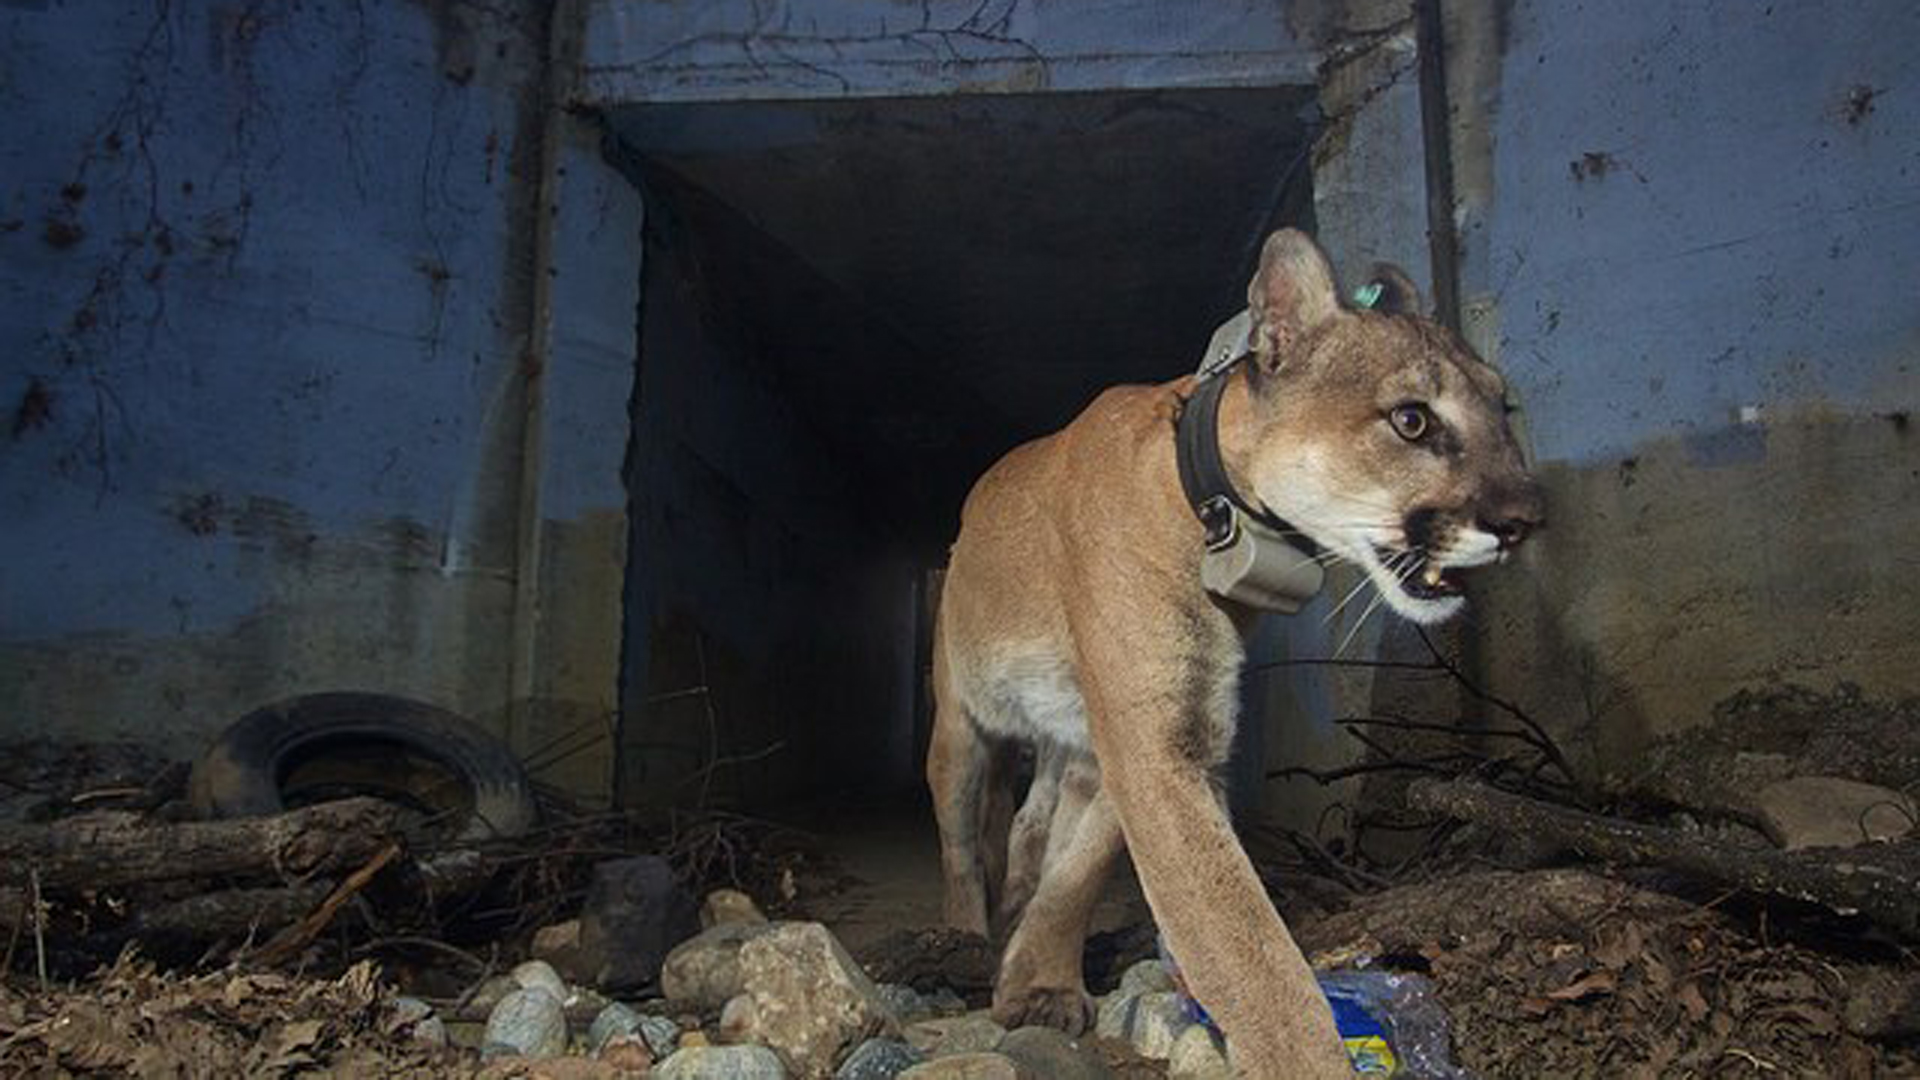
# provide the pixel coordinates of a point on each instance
(1379, 433)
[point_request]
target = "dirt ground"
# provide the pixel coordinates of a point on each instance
(1563, 971)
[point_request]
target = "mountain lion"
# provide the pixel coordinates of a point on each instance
(1074, 618)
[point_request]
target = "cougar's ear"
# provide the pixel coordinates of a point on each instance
(1291, 295)
(1398, 294)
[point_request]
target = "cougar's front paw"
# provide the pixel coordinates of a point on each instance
(1069, 1009)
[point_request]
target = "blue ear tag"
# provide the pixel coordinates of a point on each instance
(1368, 295)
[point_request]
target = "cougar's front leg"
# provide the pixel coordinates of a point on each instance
(1156, 732)
(1040, 979)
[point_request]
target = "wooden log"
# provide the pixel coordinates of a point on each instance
(105, 850)
(1878, 881)
(231, 912)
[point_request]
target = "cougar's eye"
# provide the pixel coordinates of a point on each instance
(1411, 421)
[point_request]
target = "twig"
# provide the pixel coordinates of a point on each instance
(576, 739)
(1545, 743)
(1334, 661)
(422, 942)
(39, 925)
(1364, 768)
(713, 720)
(300, 934)
(1355, 875)
(486, 972)
(97, 794)
(1402, 724)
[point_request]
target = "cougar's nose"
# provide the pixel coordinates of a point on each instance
(1516, 515)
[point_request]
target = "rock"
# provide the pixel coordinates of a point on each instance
(558, 1068)
(662, 1035)
(414, 1019)
(539, 975)
(583, 1001)
(1198, 1054)
(944, 1002)
(972, 1033)
(408, 1011)
(905, 1002)
(807, 998)
(614, 1020)
(1146, 977)
(559, 945)
(1115, 1014)
(429, 1031)
(878, 1059)
(703, 972)
(739, 1019)
(466, 1034)
(984, 1065)
(1046, 1052)
(725, 907)
(491, 993)
(721, 1063)
(635, 911)
(1158, 1020)
(629, 1052)
(1882, 1003)
(1828, 811)
(530, 1022)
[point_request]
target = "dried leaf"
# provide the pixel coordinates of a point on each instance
(1692, 1001)
(1592, 985)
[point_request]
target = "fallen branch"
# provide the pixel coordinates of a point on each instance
(1879, 881)
(231, 912)
(98, 851)
(299, 935)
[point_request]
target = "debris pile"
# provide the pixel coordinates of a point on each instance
(1572, 973)
(132, 1020)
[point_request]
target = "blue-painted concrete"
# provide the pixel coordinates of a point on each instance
(736, 50)
(252, 256)
(593, 331)
(1699, 207)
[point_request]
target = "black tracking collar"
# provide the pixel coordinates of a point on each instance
(1203, 476)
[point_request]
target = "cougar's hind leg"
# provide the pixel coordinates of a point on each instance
(1079, 783)
(1028, 838)
(957, 772)
(1040, 979)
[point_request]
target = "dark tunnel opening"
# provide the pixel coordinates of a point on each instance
(849, 310)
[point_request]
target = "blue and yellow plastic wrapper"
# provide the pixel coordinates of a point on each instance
(1389, 1021)
(1365, 1037)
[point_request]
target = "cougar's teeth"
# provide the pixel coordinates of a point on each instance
(1433, 576)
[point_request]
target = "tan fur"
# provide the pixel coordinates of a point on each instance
(1073, 618)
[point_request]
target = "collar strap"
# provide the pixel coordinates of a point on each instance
(1203, 475)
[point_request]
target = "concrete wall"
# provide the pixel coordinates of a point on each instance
(734, 50)
(1690, 237)
(770, 626)
(268, 314)
(319, 326)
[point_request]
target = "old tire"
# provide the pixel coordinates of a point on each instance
(373, 744)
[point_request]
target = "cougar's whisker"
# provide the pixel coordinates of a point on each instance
(1356, 500)
(1378, 596)
(1365, 580)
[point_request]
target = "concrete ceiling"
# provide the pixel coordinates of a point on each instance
(938, 279)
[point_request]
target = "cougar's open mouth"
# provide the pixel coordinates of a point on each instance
(1419, 575)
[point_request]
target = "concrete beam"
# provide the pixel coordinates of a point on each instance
(652, 51)
(572, 517)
